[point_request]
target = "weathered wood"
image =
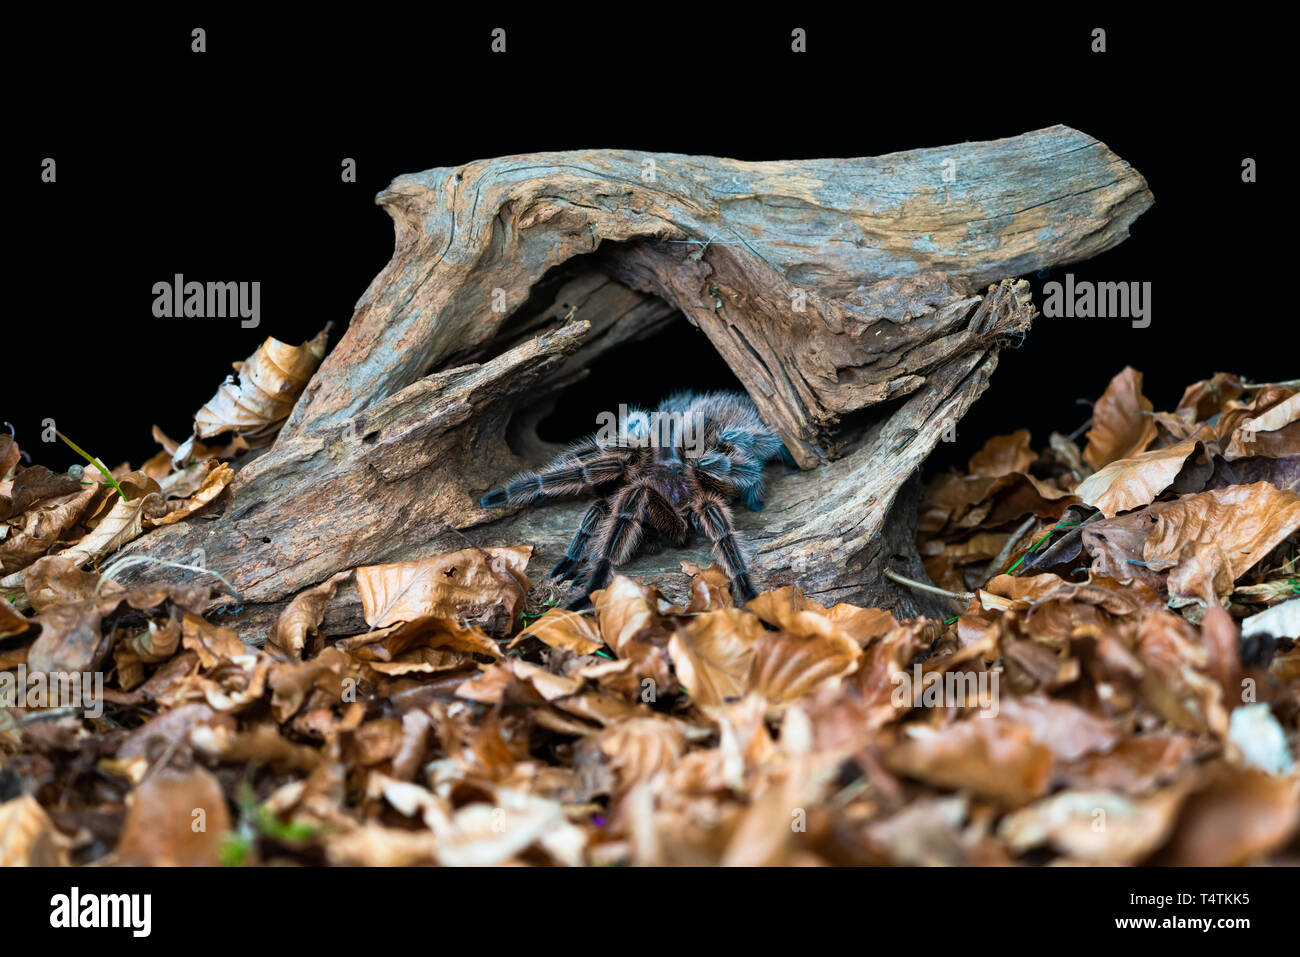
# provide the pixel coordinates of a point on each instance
(830, 287)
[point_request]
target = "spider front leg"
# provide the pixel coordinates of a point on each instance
(621, 533)
(567, 566)
(714, 519)
(573, 473)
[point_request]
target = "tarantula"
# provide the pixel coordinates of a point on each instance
(671, 471)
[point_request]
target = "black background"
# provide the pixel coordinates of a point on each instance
(226, 166)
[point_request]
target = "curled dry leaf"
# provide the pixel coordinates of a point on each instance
(629, 615)
(1273, 432)
(1211, 539)
(1002, 455)
(787, 666)
(710, 587)
(303, 615)
(269, 384)
(638, 749)
(1122, 425)
(32, 485)
(445, 586)
(214, 483)
(563, 629)
(795, 612)
(1133, 482)
(42, 528)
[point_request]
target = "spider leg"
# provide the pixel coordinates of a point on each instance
(570, 474)
(740, 470)
(567, 566)
(620, 534)
(714, 519)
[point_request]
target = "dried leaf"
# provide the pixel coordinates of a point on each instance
(563, 629)
(1211, 539)
(213, 485)
(269, 384)
(1121, 424)
(1133, 482)
(445, 586)
(28, 837)
(163, 816)
(303, 615)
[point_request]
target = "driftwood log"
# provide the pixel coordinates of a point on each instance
(861, 302)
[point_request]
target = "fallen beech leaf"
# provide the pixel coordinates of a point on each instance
(563, 629)
(634, 628)
(10, 456)
(1211, 539)
(1240, 816)
(163, 814)
(213, 485)
(70, 640)
(1174, 683)
(1273, 432)
(1067, 729)
(1133, 482)
(303, 615)
(1120, 429)
(269, 384)
(1207, 398)
(28, 837)
(1003, 454)
(712, 655)
(638, 749)
(213, 644)
(1136, 765)
(481, 834)
(32, 485)
(124, 522)
(1100, 827)
(444, 586)
(42, 528)
(710, 587)
(151, 645)
(795, 612)
(372, 845)
(787, 665)
(994, 758)
(391, 642)
(181, 453)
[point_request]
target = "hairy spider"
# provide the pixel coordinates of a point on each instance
(669, 472)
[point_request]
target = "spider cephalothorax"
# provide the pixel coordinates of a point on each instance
(669, 471)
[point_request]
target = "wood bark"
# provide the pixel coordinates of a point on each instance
(861, 302)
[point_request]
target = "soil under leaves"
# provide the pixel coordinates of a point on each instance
(1118, 683)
